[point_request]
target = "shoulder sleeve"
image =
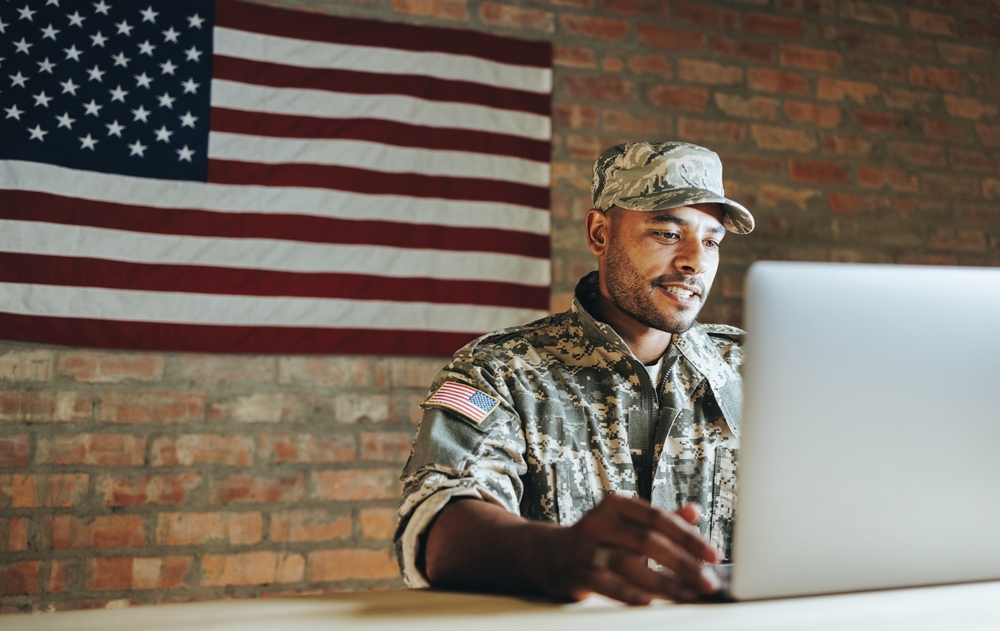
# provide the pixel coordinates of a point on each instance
(729, 342)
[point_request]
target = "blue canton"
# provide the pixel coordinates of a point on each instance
(482, 401)
(118, 88)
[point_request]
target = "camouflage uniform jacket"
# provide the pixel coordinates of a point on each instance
(568, 389)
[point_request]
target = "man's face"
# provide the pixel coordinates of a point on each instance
(659, 265)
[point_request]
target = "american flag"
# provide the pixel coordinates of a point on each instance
(232, 177)
(468, 401)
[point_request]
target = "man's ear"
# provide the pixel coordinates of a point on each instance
(598, 231)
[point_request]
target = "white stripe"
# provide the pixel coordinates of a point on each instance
(392, 107)
(377, 157)
(184, 308)
(309, 54)
(28, 237)
(123, 189)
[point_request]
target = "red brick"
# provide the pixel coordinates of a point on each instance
(773, 26)
(905, 47)
(361, 408)
(592, 26)
(981, 30)
(105, 531)
(773, 196)
(810, 58)
(377, 523)
(920, 154)
(817, 172)
(252, 568)
(846, 145)
(356, 484)
(693, 130)
(822, 115)
(226, 368)
(309, 525)
(876, 69)
(962, 54)
(991, 190)
(873, 121)
(972, 109)
(108, 367)
(580, 4)
(937, 78)
(242, 487)
(574, 57)
(92, 449)
(341, 565)
(744, 49)
(897, 99)
(700, 71)
(989, 136)
(20, 579)
(670, 38)
(17, 491)
(621, 121)
(829, 89)
(958, 240)
(690, 99)
(496, 14)
(951, 186)
(385, 446)
(757, 107)
(160, 573)
(880, 177)
(765, 80)
(782, 139)
(651, 63)
(585, 147)
(17, 535)
(596, 88)
(26, 365)
(63, 574)
(754, 163)
(186, 529)
(962, 160)
(943, 129)
(110, 573)
(119, 490)
(575, 175)
(444, 9)
(14, 450)
(928, 22)
(190, 449)
(707, 16)
(306, 448)
(827, 8)
(267, 407)
(648, 8)
(851, 204)
(325, 372)
(152, 407)
(613, 64)
(45, 407)
(849, 38)
(869, 13)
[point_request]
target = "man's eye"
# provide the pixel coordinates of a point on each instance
(711, 244)
(668, 235)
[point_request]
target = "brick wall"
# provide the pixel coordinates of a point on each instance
(856, 131)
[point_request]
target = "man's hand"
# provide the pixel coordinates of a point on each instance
(475, 544)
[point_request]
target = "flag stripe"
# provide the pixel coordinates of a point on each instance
(227, 339)
(370, 182)
(363, 33)
(61, 210)
(121, 189)
(190, 308)
(266, 254)
(88, 272)
(390, 107)
(376, 81)
(387, 132)
(377, 157)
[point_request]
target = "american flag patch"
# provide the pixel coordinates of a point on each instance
(469, 402)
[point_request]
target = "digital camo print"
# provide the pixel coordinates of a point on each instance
(662, 175)
(569, 388)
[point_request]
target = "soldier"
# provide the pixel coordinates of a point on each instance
(594, 450)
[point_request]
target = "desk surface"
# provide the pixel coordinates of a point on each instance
(972, 606)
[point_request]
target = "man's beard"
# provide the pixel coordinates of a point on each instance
(633, 294)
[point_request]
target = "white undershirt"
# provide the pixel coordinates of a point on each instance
(655, 369)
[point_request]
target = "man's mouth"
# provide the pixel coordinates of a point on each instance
(679, 291)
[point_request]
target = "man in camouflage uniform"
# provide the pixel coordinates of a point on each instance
(582, 445)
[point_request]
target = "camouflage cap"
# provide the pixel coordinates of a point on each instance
(662, 175)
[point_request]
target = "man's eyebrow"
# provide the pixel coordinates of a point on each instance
(683, 223)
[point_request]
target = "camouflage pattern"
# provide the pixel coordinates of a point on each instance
(662, 175)
(569, 391)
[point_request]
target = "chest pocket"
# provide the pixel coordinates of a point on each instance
(573, 494)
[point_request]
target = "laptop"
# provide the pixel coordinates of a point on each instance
(870, 455)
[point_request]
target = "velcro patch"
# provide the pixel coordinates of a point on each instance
(469, 402)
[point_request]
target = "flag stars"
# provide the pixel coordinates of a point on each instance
(98, 40)
(149, 15)
(38, 133)
(72, 53)
(69, 86)
(187, 120)
(23, 46)
(55, 2)
(92, 108)
(184, 154)
(163, 135)
(3, 26)
(195, 21)
(141, 114)
(121, 59)
(26, 14)
(124, 28)
(13, 112)
(45, 66)
(76, 19)
(168, 67)
(49, 32)
(118, 94)
(143, 81)
(87, 142)
(170, 35)
(18, 79)
(137, 149)
(101, 7)
(166, 101)
(146, 48)
(114, 129)
(96, 74)
(190, 87)
(41, 99)
(193, 54)
(65, 121)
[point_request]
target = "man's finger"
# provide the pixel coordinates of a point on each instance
(635, 569)
(676, 526)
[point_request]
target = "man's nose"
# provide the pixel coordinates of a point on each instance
(691, 257)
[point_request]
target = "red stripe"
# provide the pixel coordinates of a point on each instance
(323, 28)
(387, 132)
(227, 339)
(376, 183)
(30, 206)
(84, 272)
(356, 82)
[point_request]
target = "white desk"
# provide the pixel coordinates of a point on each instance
(958, 607)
